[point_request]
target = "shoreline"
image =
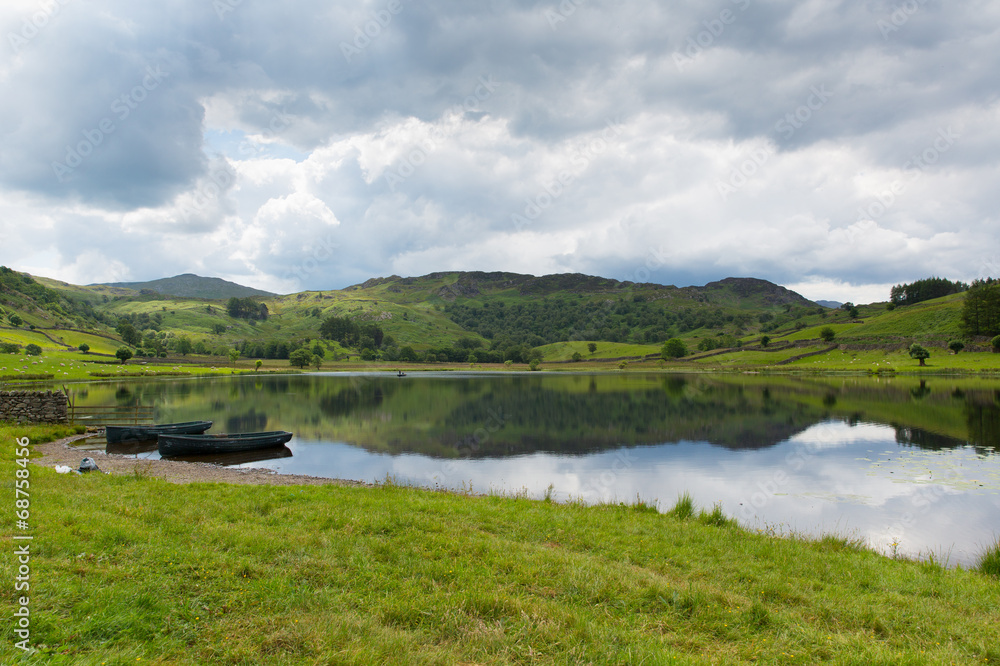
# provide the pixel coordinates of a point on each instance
(60, 452)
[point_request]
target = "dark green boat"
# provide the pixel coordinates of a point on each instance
(138, 433)
(187, 445)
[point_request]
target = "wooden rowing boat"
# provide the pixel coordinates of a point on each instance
(186, 445)
(138, 433)
(238, 457)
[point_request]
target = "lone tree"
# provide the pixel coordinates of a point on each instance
(33, 350)
(956, 346)
(765, 341)
(673, 348)
(919, 353)
(123, 354)
(827, 333)
(591, 347)
(14, 319)
(234, 355)
(300, 357)
(84, 348)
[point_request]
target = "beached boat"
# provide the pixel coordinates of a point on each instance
(137, 433)
(186, 445)
(239, 457)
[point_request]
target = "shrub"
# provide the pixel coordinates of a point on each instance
(996, 344)
(14, 319)
(33, 350)
(956, 346)
(577, 356)
(827, 333)
(10, 348)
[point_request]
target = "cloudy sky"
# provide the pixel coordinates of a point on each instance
(835, 147)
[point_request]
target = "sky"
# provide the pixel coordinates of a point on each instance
(833, 147)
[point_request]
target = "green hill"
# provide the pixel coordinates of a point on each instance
(450, 315)
(189, 285)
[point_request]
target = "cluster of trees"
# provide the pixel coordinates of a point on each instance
(279, 349)
(725, 341)
(563, 318)
(981, 310)
(350, 333)
(246, 308)
(924, 290)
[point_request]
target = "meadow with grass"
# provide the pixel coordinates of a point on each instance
(131, 569)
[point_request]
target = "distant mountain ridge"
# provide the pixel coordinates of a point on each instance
(189, 285)
(472, 284)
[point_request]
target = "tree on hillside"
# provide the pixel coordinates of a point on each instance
(981, 310)
(919, 353)
(827, 333)
(130, 335)
(956, 346)
(246, 308)
(33, 350)
(184, 346)
(84, 348)
(14, 319)
(673, 348)
(765, 341)
(123, 354)
(591, 347)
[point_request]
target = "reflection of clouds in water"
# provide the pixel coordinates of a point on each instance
(819, 481)
(837, 434)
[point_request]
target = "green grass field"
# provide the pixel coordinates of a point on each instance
(131, 569)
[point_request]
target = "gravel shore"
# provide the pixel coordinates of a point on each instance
(60, 452)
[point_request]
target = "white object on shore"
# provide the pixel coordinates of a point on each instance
(62, 469)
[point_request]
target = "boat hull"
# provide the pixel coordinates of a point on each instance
(139, 433)
(187, 445)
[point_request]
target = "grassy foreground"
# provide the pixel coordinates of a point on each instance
(131, 569)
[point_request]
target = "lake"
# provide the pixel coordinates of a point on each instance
(910, 465)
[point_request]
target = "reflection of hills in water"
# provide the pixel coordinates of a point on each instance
(502, 415)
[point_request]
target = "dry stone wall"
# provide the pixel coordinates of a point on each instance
(33, 407)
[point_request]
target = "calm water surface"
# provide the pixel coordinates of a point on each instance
(904, 463)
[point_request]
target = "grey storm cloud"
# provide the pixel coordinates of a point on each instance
(825, 141)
